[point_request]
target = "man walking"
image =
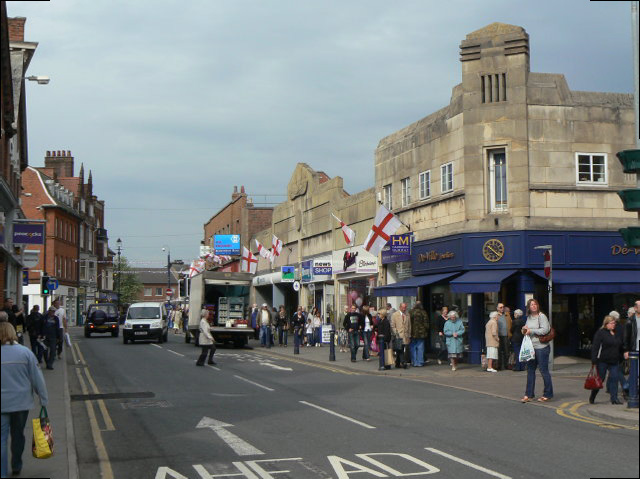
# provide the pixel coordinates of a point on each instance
(51, 331)
(419, 333)
(353, 323)
(504, 327)
(34, 324)
(62, 316)
(265, 326)
(401, 329)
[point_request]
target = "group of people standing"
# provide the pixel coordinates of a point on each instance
(177, 319)
(272, 323)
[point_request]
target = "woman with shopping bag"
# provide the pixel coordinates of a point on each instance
(605, 356)
(20, 377)
(537, 325)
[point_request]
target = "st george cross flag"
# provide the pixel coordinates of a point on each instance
(349, 234)
(262, 251)
(384, 225)
(249, 261)
(197, 267)
(276, 247)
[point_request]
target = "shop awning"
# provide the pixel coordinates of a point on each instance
(590, 281)
(409, 286)
(481, 281)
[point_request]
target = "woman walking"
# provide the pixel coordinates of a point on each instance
(206, 339)
(367, 332)
(442, 319)
(283, 326)
(516, 338)
(605, 355)
(453, 331)
(537, 325)
(177, 320)
(317, 328)
(384, 334)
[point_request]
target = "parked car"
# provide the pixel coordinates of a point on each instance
(145, 321)
(102, 318)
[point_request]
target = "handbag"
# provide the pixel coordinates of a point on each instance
(593, 381)
(397, 343)
(374, 343)
(545, 338)
(388, 357)
(42, 444)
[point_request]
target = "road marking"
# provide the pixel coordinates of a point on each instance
(359, 423)
(255, 384)
(275, 366)
(467, 463)
(572, 413)
(178, 354)
(241, 447)
(155, 345)
(213, 367)
(309, 363)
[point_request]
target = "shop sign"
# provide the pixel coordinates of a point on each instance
(354, 260)
(322, 267)
(398, 248)
(623, 250)
(25, 277)
(367, 265)
(226, 245)
(288, 274)
(306, 274)
(28, 234)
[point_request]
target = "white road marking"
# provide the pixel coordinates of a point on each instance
(178, 354)
(213, 367)
(339, 415)
(275, 366)
(152, 344)
(255, 384)
(241, 447)
(467, 463)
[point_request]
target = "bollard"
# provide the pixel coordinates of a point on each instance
(381, 351)
(296, 341)
(633, 380)
(332, 345)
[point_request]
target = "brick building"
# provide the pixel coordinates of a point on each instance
(238, 217)
(154, 284)
(15, 57)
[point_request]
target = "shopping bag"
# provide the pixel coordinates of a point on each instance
(527, 352)
(374, 343)
(388, 357)
(42, 445)
(593, 381)
(67, 339)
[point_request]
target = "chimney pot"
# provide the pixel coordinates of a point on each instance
(242, 189)
(48, 153)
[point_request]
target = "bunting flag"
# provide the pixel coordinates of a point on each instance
(196, 267)
(276, 247)
(249, 261)
(349, 234)
(384, 225)
(262, 251)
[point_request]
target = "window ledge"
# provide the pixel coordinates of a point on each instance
(430, 201)
(546, 187)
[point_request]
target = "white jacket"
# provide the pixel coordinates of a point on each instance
(205, 333)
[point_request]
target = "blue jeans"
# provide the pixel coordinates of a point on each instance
(612, 380)
(317, 332)
(518, 366)
(417, 352)
(541, 360)
(282, 335)
(265, 336)
(310, 339)
(13, 423)
(366, 339)
(354, 343)
(50, 354)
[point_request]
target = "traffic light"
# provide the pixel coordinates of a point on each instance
(44, 285)
(630, 160)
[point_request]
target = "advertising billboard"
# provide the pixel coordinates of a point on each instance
(28, 233)
(227, 245)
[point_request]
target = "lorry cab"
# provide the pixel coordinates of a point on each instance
(145, 321)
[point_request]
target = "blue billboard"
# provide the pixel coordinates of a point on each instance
(226, 245)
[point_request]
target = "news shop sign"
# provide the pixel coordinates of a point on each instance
(322, 267)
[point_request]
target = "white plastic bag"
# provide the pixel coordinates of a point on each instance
(67, 339)
(526, 350)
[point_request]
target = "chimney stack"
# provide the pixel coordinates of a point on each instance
(61, 162)
(16, 28)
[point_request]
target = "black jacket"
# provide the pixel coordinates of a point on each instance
(34, 324)
(516, 330)
(441, 321)
(384, 328)
(606, 348)
(353, 321)
(298, 322)
(630, 335)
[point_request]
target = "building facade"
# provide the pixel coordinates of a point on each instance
(515, 161)
(154, 284)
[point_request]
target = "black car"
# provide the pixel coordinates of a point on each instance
(102, 318)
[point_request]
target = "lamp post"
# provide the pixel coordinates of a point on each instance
(168, 250)
(548, 266)
(119, 249)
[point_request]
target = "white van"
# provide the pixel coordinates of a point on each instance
(145, 321)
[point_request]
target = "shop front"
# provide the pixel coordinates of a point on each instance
(318, 287)
(593, 273)
(272, 289)
(356, 274)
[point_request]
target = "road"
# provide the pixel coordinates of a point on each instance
(146, 411)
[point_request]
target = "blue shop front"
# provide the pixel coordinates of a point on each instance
(593, 274)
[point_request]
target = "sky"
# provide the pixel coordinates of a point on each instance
(172, 103)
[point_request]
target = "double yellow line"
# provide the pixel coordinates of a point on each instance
(103, 457)
(570, 411)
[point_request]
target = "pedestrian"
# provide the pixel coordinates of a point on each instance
(34, 323)
(317, 328)
(492, 340)
(516, 338)
(171, 317)
(401, 330)
(254, 321)
(384, 332)
(309, 331)
(206, 340)
(283, 326)
(442, 319)
(17, 321)
(453, 331)
(298, 323)
(390, 310)
(51, 332)
(605, 356)
(537, 325)
(631, 330)
(177, 321)
(20, 378)
(504, 328)
(366, 332)
(62, 316)
(353, 323)
(419, 332)
(265, 319)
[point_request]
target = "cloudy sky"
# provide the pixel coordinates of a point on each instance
(171, 103)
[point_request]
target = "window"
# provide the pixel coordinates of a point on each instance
(147, 291)
(494, 87)
(406, 191)
(387, 198)
(498, 180)
(82, 237)
(424, 181)
(446, 178)
(591, 169)
(158, 291)
(83, 270)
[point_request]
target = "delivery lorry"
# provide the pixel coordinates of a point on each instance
(226, 295)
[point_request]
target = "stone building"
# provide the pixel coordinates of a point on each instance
(516, 160)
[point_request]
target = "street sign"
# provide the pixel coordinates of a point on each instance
(25, 277)
(53, 284)
(169, 291)
(296, 285)
(547, 264)
(288, 274)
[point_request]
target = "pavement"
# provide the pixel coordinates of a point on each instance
(570, 398)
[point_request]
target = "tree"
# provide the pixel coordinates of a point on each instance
(127, 283)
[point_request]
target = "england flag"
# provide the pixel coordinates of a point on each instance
(384, 225)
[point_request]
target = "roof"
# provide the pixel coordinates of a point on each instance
(154, 275)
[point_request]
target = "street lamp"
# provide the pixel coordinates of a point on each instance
(119, 243)
(168, 250)
(548, 273)
(42, 80)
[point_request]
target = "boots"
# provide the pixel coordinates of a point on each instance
(592, 396)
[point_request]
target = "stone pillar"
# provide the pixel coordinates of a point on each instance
(476, 327)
